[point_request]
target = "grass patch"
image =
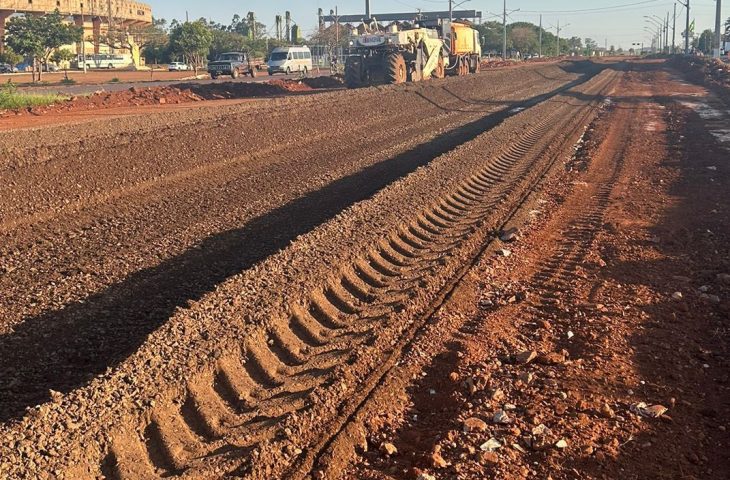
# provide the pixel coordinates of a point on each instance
(11, 99)
(114, 80)
(68, 81)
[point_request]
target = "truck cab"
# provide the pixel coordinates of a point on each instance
(233, 64)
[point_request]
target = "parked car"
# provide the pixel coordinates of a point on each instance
(50, 67)
(233, 64)
(24, 67)
(5, 68)
(290, 59)
(178, 67)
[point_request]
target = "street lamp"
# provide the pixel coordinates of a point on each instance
(660, 27)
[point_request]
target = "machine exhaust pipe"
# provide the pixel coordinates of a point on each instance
(367, 8)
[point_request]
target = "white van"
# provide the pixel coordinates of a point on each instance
(290, 59)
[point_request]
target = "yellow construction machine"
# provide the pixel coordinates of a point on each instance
(395, 57)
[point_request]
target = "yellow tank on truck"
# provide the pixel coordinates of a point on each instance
(464, 40)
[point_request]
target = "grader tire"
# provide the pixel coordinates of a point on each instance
(440, 71)
(353, 73)
(396, 71)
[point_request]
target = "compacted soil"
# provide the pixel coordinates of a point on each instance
(599, 348)
(529, 281)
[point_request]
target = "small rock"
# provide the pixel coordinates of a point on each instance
(570, 334)
(541, 430)
(607, 411)
(511, 235)
(425, 476)
(724, 277)
(712, 168)
(488, 458)
(490, 445)
(551, 358)
(561, 444)
(501, 417)
(653, 411)
(437, 461)
(454, 377)
(388, 449)
(677, 296)
(504, 252)
(704, 288)
(474, 424)
(526, 357)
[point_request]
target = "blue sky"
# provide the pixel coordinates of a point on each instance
(618, 25)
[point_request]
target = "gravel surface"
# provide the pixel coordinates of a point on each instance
(127, 266)
(117, 230)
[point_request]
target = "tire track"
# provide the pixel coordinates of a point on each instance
(265, 404)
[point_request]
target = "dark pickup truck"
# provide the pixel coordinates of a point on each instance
(233, 64)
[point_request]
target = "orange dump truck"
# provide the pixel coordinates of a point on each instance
(465, 51)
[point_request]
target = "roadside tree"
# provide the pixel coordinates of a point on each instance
(10, 57)
(705, 42)
(62, 57)
(192, 41)
(39, 36)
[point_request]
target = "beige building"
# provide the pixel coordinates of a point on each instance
(94, 15)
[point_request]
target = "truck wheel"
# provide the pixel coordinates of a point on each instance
(477, 65)
(395, 71)
(214, 76)
(463, 67)
(288, 71)
(234, 73)
(440, 71)
(353, 72)
(305, 72)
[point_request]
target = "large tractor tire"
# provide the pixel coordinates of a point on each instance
(440, 71)
(464, 67)
(395, 69)
(353, 72)
(475, 62)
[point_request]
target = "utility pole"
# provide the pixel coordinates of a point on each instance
(83, 38)
(718, 33)
(674, 31)
(504, 31)
(451, 11)
(540, 49)
(558, 40)
(666, 34)
(686, 32)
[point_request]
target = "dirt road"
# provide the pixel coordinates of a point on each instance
(210, 293)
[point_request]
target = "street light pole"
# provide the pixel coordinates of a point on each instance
(674, 31)
(504, 30)
(718, 33)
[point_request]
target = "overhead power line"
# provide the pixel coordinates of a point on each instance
(597, 9)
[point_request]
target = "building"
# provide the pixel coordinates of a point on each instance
(95, 16)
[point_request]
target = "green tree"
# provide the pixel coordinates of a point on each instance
(524, 38)
(191, 41)
(704, 44)
(38, 36)
(591, 47)
(10, 57)
(491, 36)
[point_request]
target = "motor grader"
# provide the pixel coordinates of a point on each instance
(408, 55)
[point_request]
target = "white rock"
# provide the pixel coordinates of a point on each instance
(677, 296)
(490, 445)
